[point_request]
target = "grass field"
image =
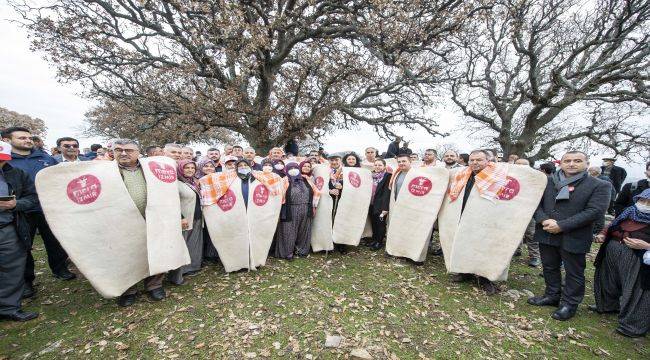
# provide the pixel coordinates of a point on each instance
(385, 306)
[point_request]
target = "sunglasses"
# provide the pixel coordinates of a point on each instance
(128, 151)
(70, 146)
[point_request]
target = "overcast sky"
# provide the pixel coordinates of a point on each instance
(28, 86)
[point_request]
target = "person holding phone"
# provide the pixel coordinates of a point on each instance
(17, 195)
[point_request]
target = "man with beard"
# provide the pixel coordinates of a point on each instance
(450, 158)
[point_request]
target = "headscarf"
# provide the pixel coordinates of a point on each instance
(633, 213)
(303, 164)
(243, 177)
(201, 163)
(190, 181)
(376, 179)
(293, 179)
(358, 164)
(279, 172)
(309, 179)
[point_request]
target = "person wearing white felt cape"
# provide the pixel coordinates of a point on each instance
(415, 198)
(119, 221)
(484, 216)
(241, 210)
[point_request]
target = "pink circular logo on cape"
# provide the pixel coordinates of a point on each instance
(227, 201)
(260, 195)
(164, 172)
(420, 186)
(509, 191)
(355, 179)
(320, 182)
(84, 190)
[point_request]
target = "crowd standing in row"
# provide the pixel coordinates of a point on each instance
(570, 215)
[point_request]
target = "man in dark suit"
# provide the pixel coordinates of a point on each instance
(630, 190)
(571, 204)
(615, 173)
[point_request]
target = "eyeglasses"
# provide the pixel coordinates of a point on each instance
(70, 146)
(128, 151)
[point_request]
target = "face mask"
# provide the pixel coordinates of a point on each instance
(642, 207)
(278, 166)
(294, 172)
(243, 171)
(267, 169)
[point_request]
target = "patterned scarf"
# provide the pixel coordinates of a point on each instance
(489, 182)
(180, 173)
(214, 186)
(376, 179)
(633, 213)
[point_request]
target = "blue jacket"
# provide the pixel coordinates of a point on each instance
(32, 164)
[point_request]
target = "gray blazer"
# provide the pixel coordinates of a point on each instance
(576, 217)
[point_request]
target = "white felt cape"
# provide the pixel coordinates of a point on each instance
(352, 210)
(321, 226)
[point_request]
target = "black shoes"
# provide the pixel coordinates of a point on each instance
(65, 275)
(534, 262)
(544, 301)
(594, 308)
(437, 252)
(19, 316)
(564, 312)
(626, 333)
(488, 286)
(28, 290)
(459, 278)
(157, 294)
(126, 300)
(375, 246)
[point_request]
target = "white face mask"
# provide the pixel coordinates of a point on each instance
(244, 171)
(278, 166)
(642, 207)
(294, 172)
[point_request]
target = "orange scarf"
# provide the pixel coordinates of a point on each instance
(216, 185)
(489, 181)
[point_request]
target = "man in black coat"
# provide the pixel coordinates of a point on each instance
(17, 195)
(630, 190)
(571, 204)
(616, 173)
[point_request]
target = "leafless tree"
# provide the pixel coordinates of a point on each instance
(540, 75)
(267, 70)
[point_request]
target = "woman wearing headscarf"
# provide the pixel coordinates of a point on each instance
(294, 229)
(204, 167)
(190, 196)
(351, 160)
(379, 203)
(622, 278)
(278, 167)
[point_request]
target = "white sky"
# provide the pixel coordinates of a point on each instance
(28, 86)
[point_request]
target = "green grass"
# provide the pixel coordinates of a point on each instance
(387, 306)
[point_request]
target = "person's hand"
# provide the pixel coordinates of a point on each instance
(599, 239)
(636, 244)
(334, 192)
(338, 186)
(314, 211)
(8, 205)
(383, 214)
(551, 226)
(185, 224)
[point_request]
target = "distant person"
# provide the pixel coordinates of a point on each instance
(173, 151)
(153, 150)
(463, 159)
(69, 148)
(92, 154)
(625, 198)
(450, 158)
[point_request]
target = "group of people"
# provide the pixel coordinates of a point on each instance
(559, 234)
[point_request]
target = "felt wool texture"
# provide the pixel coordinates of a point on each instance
(352, 210)
(415, 211)
(188, 203)
(321, 226)
(367, 228)
(83, 202)
(228, 230)
(263, 214)
(166, 248)
(483, 240)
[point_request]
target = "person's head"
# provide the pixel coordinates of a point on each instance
(647, 169)
(5, 153)
(314, 154)
(214, 154)
(594, 171)
(249, 154)
(38, 142)
(574, 162)
(512, 158)
(276, 153)
(371, 154)
(490, 155)
(187, 153)
(278, 167)
(186, 168)
(292, 170)
(478, 160)
(379, 166)
(642, 201)
(229, 163)
(335, 161)
(237, 151)
(398, 139)
(101, 152)
(19, 137)
(126, 152)
(305, 168)
(227, 150)
(608, 162)
(55, 151)
(450, 157)
(351, 160)
(173, 151)
(153, 150)
(404, 162)
(548, 168)
(430, 156)
(522, 162)
(95, 147)
(243, 169)
(69, 147)
(414, 157)
(204, 167)
(267, 166)
(463, 159)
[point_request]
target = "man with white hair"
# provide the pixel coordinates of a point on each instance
(173, 151)
(249, 155)
(187, 153)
